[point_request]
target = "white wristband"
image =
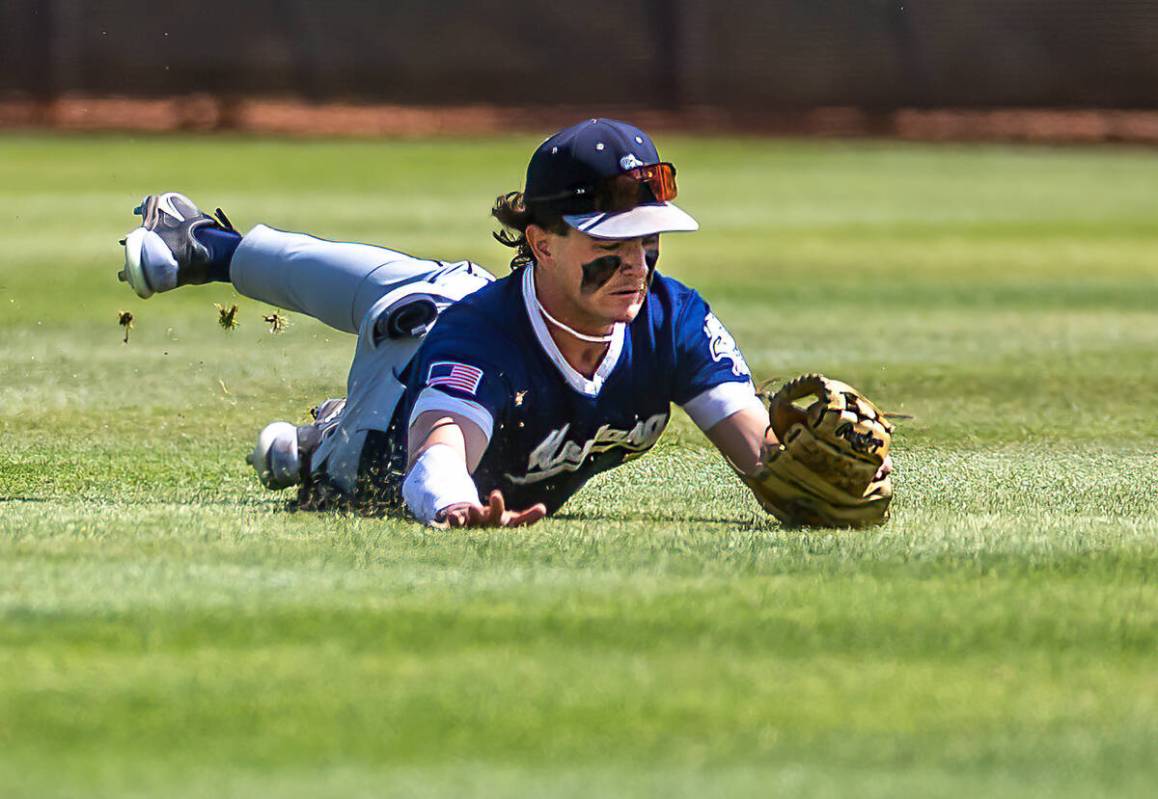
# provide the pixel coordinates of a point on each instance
(436, 480)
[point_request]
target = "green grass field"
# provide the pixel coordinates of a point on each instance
(168, 629)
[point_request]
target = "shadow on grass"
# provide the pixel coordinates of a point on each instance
(746, 523)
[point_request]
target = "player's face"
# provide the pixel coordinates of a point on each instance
(606, 279)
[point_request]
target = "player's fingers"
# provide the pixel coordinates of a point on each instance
(498, 504)
(457, 514)
(457, 518)
(521, 518)
(886, 468)
(473, 516)
(482, 515)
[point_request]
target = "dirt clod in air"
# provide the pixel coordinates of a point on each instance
(227, 317)
(276, 321)
(125, 320)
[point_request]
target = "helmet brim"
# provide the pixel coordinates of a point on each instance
(643, 220)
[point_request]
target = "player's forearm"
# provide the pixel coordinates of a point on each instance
(438, 427)
(739, 438)
(443, 451)
(438, 480)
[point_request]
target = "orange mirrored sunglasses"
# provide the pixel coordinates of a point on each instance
(654, 183)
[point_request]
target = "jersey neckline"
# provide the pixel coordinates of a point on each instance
(571, 376)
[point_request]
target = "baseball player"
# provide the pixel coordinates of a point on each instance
(476, 401)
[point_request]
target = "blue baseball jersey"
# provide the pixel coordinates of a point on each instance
(491, 359)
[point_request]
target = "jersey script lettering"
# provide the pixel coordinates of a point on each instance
(556, 454)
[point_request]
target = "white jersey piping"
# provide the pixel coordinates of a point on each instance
(579, 383)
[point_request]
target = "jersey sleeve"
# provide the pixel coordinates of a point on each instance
(456, 374)
(712, 378)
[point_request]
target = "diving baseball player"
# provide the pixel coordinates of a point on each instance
(476, 401)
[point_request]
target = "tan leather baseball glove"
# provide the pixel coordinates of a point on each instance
(823, 468)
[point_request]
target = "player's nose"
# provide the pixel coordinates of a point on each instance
(634, 258)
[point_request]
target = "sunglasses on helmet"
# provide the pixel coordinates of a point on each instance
(654, 183)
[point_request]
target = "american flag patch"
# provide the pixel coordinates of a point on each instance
(454, 375)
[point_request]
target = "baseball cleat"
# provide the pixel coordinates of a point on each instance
(164, 252)
(282, 454)
(276, 458)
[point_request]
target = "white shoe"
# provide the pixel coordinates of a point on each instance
(281, 456)
(276, 458)
(163, 253)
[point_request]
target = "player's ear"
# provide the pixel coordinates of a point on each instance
(539, 240)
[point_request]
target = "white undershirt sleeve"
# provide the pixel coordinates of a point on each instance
(710, 407)
(437, 480)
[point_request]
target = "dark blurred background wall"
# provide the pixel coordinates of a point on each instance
(745, 55)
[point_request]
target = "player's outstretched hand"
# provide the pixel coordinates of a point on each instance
(493, 514)
(886, 468)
